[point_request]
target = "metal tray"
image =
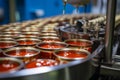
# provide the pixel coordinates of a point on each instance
(76, 70)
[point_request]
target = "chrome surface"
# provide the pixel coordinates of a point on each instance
(34, 39)
(109, 32)
(30, 32)
(25, 36)
(48, 34)
(66, 34)
(50, 39)
(47, 37)
(6, 39)
(74, 70)
(7, 36)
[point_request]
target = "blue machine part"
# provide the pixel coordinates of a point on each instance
(32, 9)
(4, 17)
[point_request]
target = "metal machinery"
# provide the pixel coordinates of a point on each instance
(104, 59)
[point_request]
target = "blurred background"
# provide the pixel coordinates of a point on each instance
(21, 10)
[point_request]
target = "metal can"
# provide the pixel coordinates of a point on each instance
(7, 44)
(26, 54)
(71, 54)
(8, 65)
(80, 44)
(47, 49)
(28, 41)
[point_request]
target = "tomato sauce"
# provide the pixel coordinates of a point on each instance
(51, 46)
(27, 42)
(6, 45)
(7, 65)
(72, 54)
(81, 44)
(21, 53)
(41, 63)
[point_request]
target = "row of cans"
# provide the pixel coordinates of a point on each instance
(35, 43)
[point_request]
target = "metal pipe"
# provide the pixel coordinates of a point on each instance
(109, 33)
(12, 9)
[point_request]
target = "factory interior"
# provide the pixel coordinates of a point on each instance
(59, 39)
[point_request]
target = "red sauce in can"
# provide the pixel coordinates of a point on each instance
(81, 44)
(7, 65)
(51, 46)
(21, 53)
(27, 42)
(41, 63)
(6, 45)
(72, 54)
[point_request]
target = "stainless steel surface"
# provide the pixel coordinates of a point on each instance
(48, 34)
(66, 34)
(30, 32)
(34, 39)
(6, 39)
(109, 33)
(74, 70)
(25, 36)
(12, 10)
(113, 70)
(7, 36)
(50, 39)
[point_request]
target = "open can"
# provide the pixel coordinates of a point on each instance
(10, 65)
(71, 54)
(26, 54)
(47, 49)
(80, 44)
